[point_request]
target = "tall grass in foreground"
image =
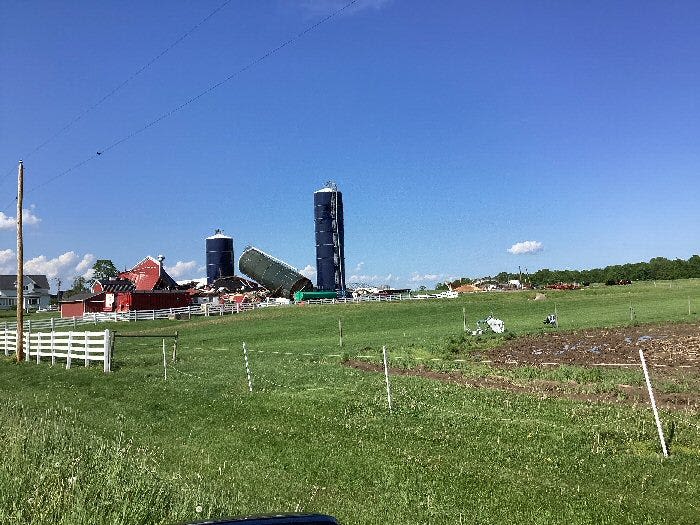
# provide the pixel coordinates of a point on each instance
(55, 471)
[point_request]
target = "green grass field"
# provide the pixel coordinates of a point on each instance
(129, 447)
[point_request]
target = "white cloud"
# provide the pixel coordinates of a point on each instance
(361, 278)
(325, 7)
(6, 255)
(418, 278)
(359, 267)
(84, 267)
(64, 267)
(182, 270)
(520, 248)
(309, 272)
(9, 223)
(51, 267)
(374, 280)
(28, 217)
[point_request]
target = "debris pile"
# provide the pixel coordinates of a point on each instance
(497, 326)
(552, 320)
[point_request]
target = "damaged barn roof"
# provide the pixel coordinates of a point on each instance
(235, 284)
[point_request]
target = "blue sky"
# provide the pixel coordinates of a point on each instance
(457, 131)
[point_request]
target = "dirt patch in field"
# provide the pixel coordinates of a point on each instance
(628, 394)
(664, 346)
(672, 353)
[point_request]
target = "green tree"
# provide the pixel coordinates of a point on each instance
(104, 269)
(80, 284)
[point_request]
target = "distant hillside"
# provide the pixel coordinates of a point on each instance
(659, 268)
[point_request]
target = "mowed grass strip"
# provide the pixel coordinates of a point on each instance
(316, 435)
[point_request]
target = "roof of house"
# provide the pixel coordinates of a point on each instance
(7, 282)
(82, 296)
(116, 285)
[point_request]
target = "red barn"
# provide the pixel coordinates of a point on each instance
(147, 286)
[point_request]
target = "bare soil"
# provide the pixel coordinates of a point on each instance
(672, 353)
(664, 346)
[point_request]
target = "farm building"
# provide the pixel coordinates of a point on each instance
(36, 291)
(147, 286)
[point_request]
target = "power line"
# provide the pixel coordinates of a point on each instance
(136, 73)
(208, 90)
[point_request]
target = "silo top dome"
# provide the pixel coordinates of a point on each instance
(219, 234)
(330, 186)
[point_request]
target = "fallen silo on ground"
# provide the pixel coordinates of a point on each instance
(281, 279)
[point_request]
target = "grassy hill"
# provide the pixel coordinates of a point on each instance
(315, 435)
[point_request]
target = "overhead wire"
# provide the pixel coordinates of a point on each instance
(189, 101)
(111, 93)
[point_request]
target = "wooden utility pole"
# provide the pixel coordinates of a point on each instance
(20, 265)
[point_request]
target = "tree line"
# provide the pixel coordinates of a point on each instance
(658, 268)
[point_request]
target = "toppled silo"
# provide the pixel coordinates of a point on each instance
(281, 279)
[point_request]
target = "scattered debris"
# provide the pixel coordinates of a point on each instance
(621, 282)
(467, 288)
(564, 286)
(551, 320)
(497, 326)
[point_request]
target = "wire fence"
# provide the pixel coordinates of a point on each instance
(207, 309)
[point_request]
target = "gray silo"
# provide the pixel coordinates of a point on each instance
(277, 276)
(219, 256)
(330, 239)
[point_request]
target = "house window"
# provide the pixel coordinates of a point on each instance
(33, 301)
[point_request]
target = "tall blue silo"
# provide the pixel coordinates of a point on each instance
(330, 239)
(219, 256)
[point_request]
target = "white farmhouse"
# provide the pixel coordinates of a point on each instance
(36, 292)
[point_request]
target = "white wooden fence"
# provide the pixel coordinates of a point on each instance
(186, 312)
(73, 347)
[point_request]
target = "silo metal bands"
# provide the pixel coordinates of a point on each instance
(219, 257)
(280, 278)
(330, 239)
